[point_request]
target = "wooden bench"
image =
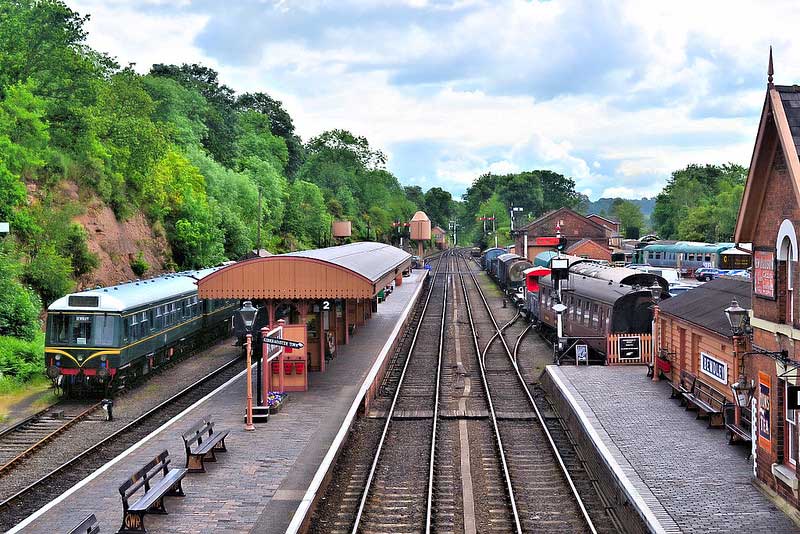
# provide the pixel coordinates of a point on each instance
(739, 432)
(708, 401)
(89, 525)
(155, 489)
(201, 444)
(686, 385)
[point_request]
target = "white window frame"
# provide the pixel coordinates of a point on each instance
(790, 416)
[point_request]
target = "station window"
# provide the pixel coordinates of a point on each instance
(790, 454)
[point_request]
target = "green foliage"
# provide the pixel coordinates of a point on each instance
(306, 219)
(21, 359)
(139, 265)
(629, 216)
(75, 247)
(49, 274)
(181, 108)
(700, 203)
(438, 206)
(19, 306)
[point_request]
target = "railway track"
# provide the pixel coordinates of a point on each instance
(463, 446)
(25, 437)
(541, 487)
(26, 501)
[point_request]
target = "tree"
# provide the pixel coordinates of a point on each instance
(629, 216)
(415, 195)
(437, 205)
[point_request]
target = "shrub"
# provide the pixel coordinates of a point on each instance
(21, 359)
(83, 260)
(139, 265)
(49, 274)
(19, 306)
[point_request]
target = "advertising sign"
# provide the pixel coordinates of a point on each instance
(582, 353)
(764, 273)
(764, 435)
(629, 348)
(714, 368)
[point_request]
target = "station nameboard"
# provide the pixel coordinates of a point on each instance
(764, 273)
(714, 368)
(629, 348)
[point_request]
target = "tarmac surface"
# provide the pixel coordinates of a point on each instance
(685, 472)
(259, 483)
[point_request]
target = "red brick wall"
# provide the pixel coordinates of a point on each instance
(593, 250)
(575, 228)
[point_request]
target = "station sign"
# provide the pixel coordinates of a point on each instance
(582, 353)
(4, 228)
(284, 342)
(546, 241)
(716, 369)
(629, 348)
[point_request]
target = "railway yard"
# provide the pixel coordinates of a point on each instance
(442, 414)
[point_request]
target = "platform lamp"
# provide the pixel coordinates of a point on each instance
(742, 391)
(655, 294)
(248, 315)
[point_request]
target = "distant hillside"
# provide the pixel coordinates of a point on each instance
(602, 206)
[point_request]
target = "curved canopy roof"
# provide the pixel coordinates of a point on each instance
(356, 270)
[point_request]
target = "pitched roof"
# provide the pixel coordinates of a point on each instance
(585, 241)
(612, 221)
(560, 210)
(779, 128)
(705, 305)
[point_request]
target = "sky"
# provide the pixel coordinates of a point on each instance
(615, 94)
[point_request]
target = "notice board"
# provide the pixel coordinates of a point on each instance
(764, 273)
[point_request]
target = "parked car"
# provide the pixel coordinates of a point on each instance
(707, 273)
(679, 288)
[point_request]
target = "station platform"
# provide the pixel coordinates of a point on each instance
(677, 474)
(258, 485)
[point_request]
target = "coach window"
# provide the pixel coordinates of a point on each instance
(790, 452)
(60, 327)
(595, 316)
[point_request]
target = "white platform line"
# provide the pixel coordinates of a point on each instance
(633, 494)
(44, 509)
(327, 462)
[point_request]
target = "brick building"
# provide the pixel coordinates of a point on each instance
(586, 248)
(574, 227)
(604, 221)
(769, 218)
(439, 237)
(694, 331)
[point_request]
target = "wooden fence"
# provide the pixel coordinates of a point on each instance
(629, 349)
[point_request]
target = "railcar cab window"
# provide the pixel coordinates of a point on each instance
(88, 330)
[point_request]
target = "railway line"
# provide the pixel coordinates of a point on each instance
(464, 446)
(27, 500)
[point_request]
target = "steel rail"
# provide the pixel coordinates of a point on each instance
(493, 415)
(116, 434)
(390, 414)
(519, 340)
(30, 450)
(540, 418)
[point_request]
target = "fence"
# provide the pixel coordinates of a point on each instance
(629, 349)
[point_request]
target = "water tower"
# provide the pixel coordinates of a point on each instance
(420, 230)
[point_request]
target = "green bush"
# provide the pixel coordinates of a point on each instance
(20, 359)
(83, 260)
(49, 274)
(139, 265)
(19, 306)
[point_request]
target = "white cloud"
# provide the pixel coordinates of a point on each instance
(615, 95)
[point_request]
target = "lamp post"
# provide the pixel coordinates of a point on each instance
(655, 293)
(737, 318)
(248, 314)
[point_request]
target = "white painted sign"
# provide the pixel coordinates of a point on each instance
(4, 229)
(716, 369)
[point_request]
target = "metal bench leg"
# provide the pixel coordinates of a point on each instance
(177, 490)
(220, 446)
(210, 456)
(132, 522)
(158, 507)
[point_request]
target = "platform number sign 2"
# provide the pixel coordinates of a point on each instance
(326, 305)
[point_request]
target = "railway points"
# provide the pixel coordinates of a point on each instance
(262, 488)
(677, 474)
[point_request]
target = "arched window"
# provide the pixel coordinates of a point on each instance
(786, 246)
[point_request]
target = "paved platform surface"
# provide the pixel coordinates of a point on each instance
(690, 477)
(259, 483)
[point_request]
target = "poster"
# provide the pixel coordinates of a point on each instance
(764, 438)
(764, 273)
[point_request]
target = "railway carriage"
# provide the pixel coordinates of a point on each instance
(510, 271)
(689, 256)
(104, 336)
(489, 257)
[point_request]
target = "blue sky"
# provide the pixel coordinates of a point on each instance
(614, 94)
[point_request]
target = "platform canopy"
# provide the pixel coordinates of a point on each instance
(356, 270)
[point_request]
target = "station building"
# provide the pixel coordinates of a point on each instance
(769, 217)
(330, 291)
(439, 237)
(694, 333)
(574, 227)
